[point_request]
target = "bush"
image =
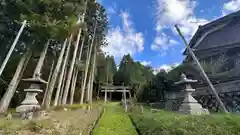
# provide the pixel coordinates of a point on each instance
(114, 121)
(167, 123)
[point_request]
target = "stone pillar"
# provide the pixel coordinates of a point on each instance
(189, 104)
(30, 104)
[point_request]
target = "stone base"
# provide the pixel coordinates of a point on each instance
(192, 109)
(28, 111)
(27, 108)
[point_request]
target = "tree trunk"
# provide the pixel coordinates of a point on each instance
(75, 74)
(7, 97)
(87, 65)
(73, 86)
(49, 78)
(55, 74)
(62, 88)
(60, 79)
(12, 47)
(70, 73)
(38, 68)
(81, 48)
(89, 85)
(93, 74)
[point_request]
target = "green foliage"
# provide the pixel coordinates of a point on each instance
(96, 13)
(47, 19)
(114, 121)
(43, 15)
(167, 123)
(135, 75)
(132, 73)
(106, 69)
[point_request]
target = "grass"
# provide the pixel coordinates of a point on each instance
(14, 126)
(71, 122)
(167, 123)
(77, 106)
(114, 121)
(69, 107)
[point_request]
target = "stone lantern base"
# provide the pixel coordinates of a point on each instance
(191, 106)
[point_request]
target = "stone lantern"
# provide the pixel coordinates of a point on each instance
(30, 104)
(189, 104)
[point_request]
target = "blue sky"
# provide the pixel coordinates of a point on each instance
(145, 28)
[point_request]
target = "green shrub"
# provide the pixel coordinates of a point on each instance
(114, 121)
(167, 123)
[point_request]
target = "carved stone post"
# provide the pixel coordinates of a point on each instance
(189, 104)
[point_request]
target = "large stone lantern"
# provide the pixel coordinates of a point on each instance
(30, 104)
(189, 104)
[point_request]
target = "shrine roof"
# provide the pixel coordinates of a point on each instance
(207, 27)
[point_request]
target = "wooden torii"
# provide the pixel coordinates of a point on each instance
(111, 88)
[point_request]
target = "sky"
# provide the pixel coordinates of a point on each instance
(145, 28)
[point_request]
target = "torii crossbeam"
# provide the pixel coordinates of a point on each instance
(111, 88)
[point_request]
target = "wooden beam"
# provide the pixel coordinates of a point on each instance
(115, 87)
(201, 70)
(114, 90)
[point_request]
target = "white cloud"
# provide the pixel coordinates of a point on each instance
(146, 63)
(125, 39)
(169, 13)
(111, 10)
(166, 67)
(231, 6)
(162, 42)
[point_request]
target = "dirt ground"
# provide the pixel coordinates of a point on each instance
(70, 122)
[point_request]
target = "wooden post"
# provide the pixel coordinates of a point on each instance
(125, 99)
(201, 70)
(105, 99)
(110, 96)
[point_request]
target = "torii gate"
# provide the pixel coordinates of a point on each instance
(111, 88)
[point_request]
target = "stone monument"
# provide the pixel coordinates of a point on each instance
(189, 104)
(30, 106)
